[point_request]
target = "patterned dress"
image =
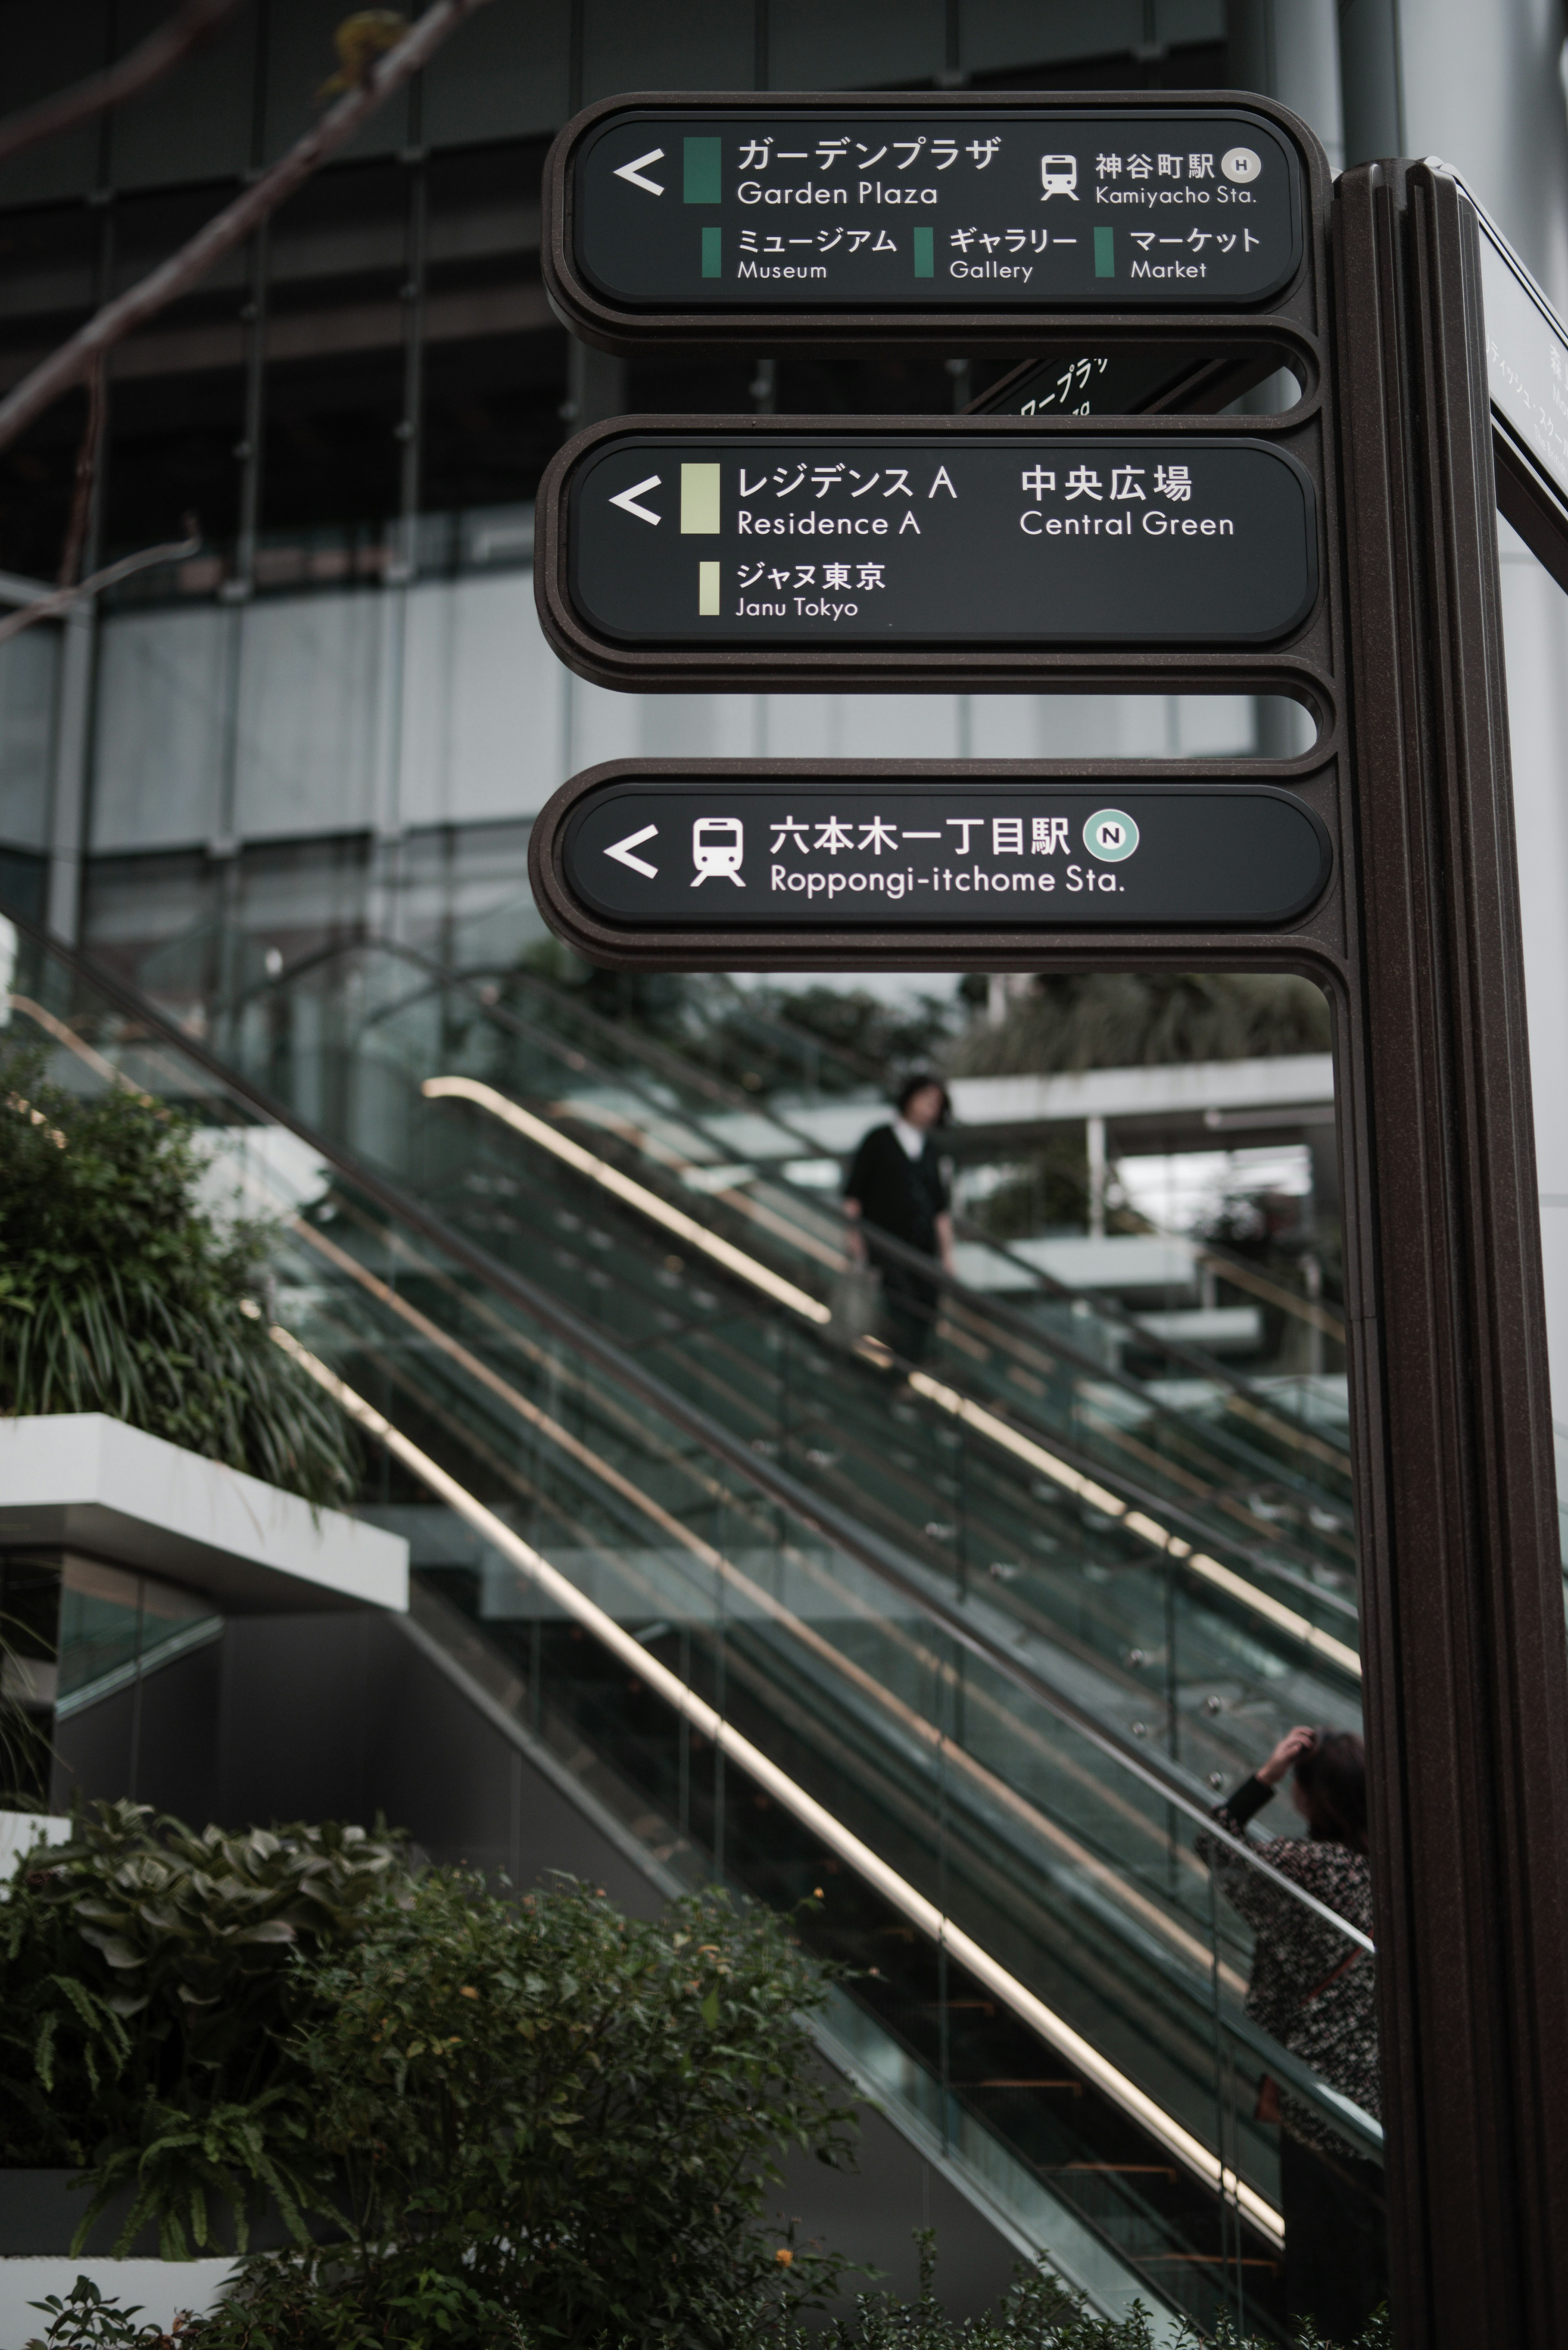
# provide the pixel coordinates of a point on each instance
(1294, 1952)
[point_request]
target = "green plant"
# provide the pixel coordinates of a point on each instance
(1037, 2311)
(119, 1293)
(314, 2301)
(148, 1995)
(1112, 1020)
(535, 2110)
(885, 1039)
(577, 2114)
(295, 2303)
(83, 2319)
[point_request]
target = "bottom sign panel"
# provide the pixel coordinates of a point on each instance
(818, 852)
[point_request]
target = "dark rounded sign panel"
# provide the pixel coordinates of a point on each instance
(771, 205)
(714, 854)
(888, 540)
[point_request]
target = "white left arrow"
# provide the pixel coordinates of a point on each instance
(633, 171)
(627, 499)
(622, 850)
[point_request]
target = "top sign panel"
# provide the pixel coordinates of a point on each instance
(896, 209)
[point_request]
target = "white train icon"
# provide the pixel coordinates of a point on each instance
(718, 844)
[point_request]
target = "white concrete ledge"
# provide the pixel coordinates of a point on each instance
(83, 1482)
(21, 1833)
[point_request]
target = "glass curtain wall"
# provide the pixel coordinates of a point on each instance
(357, 409)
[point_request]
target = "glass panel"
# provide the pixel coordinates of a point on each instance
(115, 1625)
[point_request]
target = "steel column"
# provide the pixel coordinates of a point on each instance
(1462, 1621)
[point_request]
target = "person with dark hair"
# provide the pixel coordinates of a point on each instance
(899, 1186)
(1315, 1993)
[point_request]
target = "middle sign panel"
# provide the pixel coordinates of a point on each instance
(750, 545)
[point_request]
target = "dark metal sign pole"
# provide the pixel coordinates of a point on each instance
(1462, 1628)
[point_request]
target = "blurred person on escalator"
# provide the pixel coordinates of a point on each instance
(1316, 1992)
(898, 1186)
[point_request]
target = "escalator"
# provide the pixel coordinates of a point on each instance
(1020, 1463)
(769, 1688)
(732, 1101)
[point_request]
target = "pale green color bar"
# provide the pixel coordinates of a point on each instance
(699, 500)
(706, 582)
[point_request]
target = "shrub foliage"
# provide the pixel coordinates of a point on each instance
(120, 1294)
(1037, 2312)
(1113, 1020)
(515, 2124)
(149, 1994)
(492, 2108)
(580, 2113)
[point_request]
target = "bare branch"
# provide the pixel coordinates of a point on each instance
(186, 268)
(140, 68)
(52, 607)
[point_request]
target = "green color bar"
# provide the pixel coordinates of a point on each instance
(1105, 250)
(925, 252)
(699, 500)
(702, 163)
(713, 253)
(708, 596)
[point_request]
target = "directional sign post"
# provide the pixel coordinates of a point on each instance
(724, 863)
(735, 554)
(715, 217)
(1346, 543)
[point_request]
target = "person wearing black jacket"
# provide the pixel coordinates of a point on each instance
(898, 1186)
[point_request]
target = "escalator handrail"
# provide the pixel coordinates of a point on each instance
(776, 1484)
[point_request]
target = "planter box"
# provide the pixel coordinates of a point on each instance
(160, 2289)
(40, 2212)
(83, 1482)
